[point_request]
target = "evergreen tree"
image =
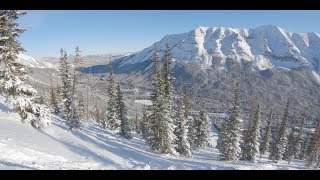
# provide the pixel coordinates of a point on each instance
(304, 146)
(74, 120)
(281, 139)
(23, 97)
(264, 146)
(53, 99)
(136, 123)
(145, 125)
(162, 137)
(232, 151)
(78, 62)
(222, 139)
(253, 136)
(112, 118)
(66, 84)
(294, 143)
(81, 106)
(181, 130)
(67, 93)
(298, 140)
(191, 131)
(122, 115)
(202, 126)
(246, 132)
(313, 157)
(290, 144)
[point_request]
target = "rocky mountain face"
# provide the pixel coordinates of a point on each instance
(268, 61)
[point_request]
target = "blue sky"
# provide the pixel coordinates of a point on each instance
(98, 32)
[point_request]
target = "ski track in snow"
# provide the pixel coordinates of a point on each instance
(23, 147)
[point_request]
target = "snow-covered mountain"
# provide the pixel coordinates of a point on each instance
(266, 47)
(275, 63)
(34, 63)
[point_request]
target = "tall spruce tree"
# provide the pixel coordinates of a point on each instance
(289, 148)
(247, 131)
(294, 142)
(67, 93)
(112, 118)
(77, 63)
(122, 115)
(162, 137)
(304, 146)
(313, 156)
(223, 138)
(298, 140)
(281, 137)
(53, 101)
(202, 128)
(233, 150)
(264, 146)
(181, 130)
(253, 136)
(145, 125)
(22, 96)
(81, 106)
(66, 84)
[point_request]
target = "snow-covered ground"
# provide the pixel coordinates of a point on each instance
(23, 147)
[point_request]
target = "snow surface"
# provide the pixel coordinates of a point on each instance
(23, 147)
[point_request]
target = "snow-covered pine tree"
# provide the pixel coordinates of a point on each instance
(232, 152)
(136, 124)
(190, 120)
(202, 127)
(253, 136)
(23, 97)
(281, 137)
(112, 118)
(247, 129)
(186, 100)
(53, 101)
(169, 112)
(298, 139)
(191, 131)
(294, 142)
(181, 130)
(65, 92)
(222, 139)
(74, 120)
(77, 63)
(68, 93)
(313, 157)
(266, 138)
(162, 137)
(122, 115)
(81, 106)
(145, 125)
(290, 143)
(304, 146)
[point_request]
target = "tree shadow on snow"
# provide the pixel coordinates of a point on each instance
(84, 151)
(16, 165)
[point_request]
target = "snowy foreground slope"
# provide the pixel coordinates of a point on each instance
(22, 147)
